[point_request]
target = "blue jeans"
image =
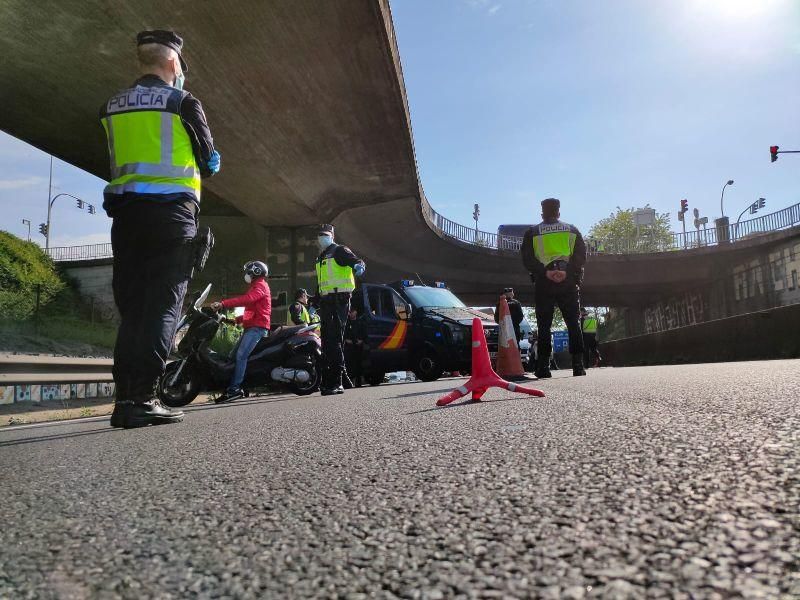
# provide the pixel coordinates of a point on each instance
(244, 347)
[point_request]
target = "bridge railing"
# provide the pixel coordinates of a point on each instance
(76, 253)
(781, 219)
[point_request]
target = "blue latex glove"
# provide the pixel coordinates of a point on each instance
(359, 269)
(214, 162)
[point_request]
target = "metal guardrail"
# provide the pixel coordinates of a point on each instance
(22, 369)
(781, 219)
(76, 253)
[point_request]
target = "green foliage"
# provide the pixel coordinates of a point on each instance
(618, 232)
(24, 269)
(226, 338)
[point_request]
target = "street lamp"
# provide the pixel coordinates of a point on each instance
(81, 204)
(721, 210)
(28, 223)
(753, 208)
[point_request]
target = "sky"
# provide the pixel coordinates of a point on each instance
(600, 103)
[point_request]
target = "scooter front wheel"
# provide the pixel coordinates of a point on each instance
(183, 391)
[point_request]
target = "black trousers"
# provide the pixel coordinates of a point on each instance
(566, 296)
(333, 314)
(591, 353)
(352, 359)
(152, 265)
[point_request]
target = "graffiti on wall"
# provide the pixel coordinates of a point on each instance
(678, 311)
(779, 276)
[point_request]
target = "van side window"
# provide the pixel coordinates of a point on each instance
(388, 310)
(357, 302)
(374, 301)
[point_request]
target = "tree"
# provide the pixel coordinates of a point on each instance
(617, 233)
(26, 273)
(558, 320)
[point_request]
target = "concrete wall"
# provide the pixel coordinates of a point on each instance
(760, 335)
(93, 280)
(765, 278)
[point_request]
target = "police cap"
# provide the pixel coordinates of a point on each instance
(170, 39)
(300, 292)
(508, 290)
(551, 204)
(325, 229)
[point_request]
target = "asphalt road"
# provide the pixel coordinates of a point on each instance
(658, 482)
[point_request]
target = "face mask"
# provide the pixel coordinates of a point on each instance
(179, 79)
(324, 241)
(248, 279)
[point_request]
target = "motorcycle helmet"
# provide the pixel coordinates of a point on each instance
(253, 269)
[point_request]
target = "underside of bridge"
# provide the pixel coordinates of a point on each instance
(308, 108)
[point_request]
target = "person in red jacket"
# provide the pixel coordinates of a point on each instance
(257, 303)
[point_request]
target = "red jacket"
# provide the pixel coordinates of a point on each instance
(257, 304)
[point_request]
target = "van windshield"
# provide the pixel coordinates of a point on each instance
(425, 297)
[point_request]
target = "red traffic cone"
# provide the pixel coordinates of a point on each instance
(483, 376)
(509, 362)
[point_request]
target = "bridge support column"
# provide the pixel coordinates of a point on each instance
(289, 252)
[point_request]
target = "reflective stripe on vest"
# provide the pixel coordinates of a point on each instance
(304, 316)
(333, 277)
(555, 241)
(590, 325)
(150, 153)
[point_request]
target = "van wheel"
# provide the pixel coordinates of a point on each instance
(375, 378)
(428, 367)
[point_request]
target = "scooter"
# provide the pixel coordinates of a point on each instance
(289, 355)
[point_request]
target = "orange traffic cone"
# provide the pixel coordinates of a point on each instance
(509, 363)
(483, 376)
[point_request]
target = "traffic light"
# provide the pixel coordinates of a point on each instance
(684, 205)
(92, 209)
(80, 203)
(773, 153)
(762, 202)
(476, 213)
(43, 229)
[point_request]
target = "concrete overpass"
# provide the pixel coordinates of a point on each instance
(307, 103)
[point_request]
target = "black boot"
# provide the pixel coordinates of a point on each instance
(338, 388)
(542, 368)
(120, 403)
(327, 388)
(577, 365)
(143, 408)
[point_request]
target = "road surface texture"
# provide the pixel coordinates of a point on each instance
(656, 482)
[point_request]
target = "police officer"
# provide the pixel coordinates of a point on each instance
(514, 309)
(159, 147)
(589, 328)
(554, 254)
(337, 268)
(298, 312)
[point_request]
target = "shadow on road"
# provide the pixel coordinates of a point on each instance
(242, 402)
(57, 436)
(427, 393)
(468, 402)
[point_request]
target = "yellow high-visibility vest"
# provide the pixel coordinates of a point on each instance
(333, 277)
(554, 241)
(305, 317)
(149, 148)
(590, 325)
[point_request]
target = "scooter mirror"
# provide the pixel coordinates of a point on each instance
(203, 297)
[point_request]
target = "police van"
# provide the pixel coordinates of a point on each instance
(419, 328)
